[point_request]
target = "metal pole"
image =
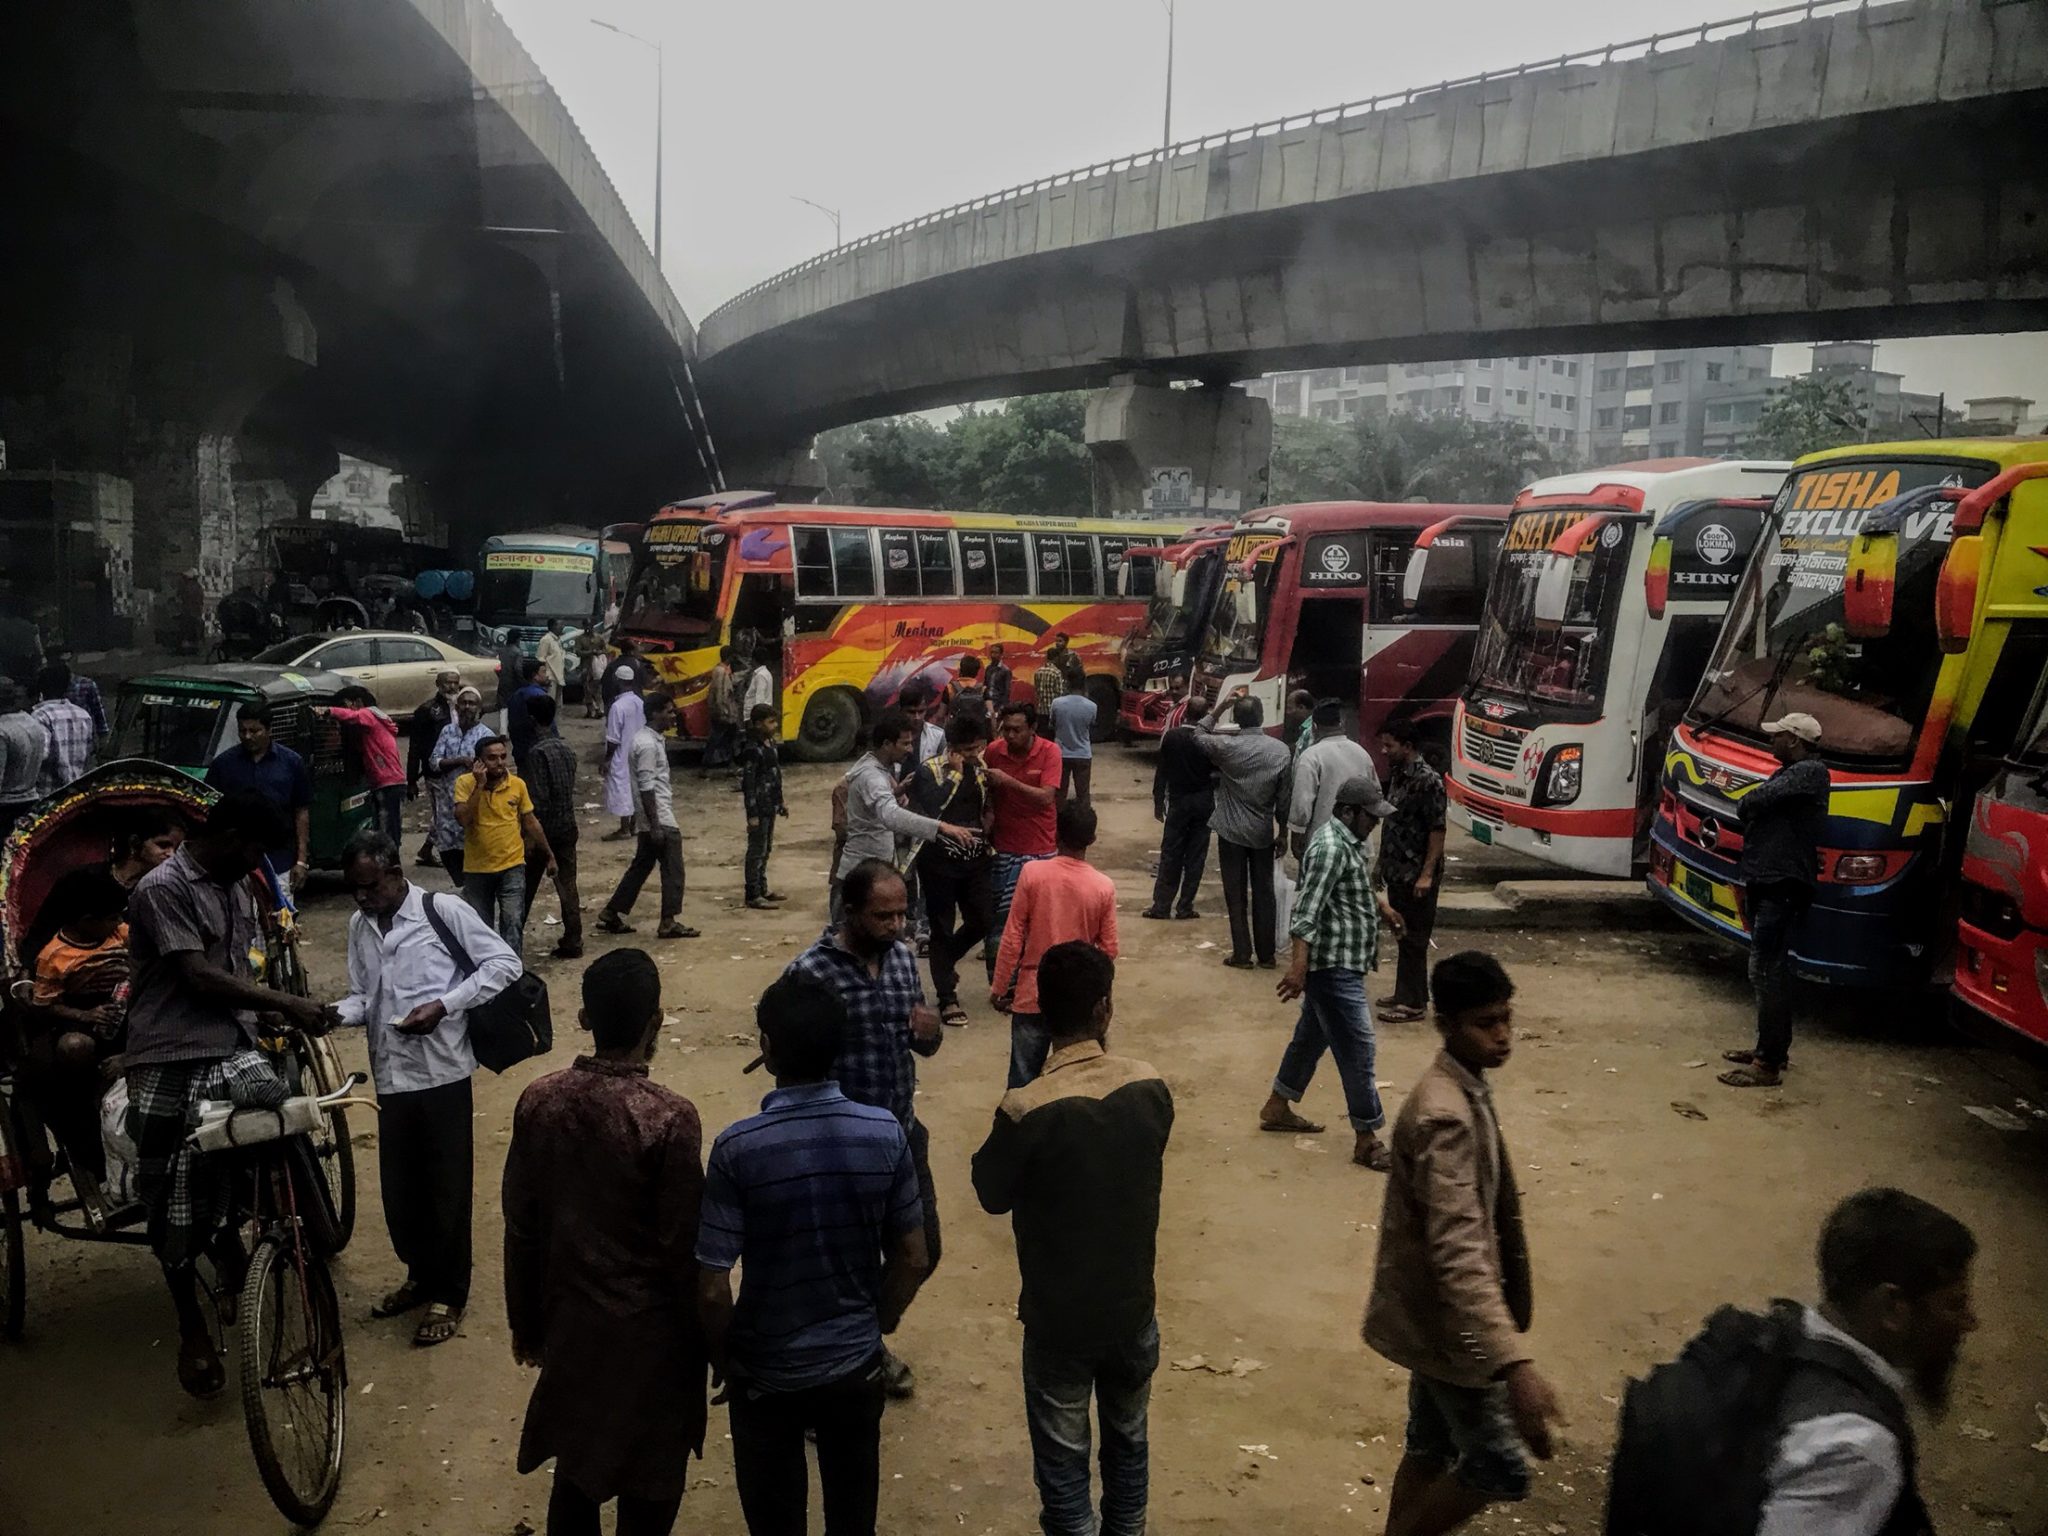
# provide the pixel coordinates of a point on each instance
(1166, 140)
(660, 100)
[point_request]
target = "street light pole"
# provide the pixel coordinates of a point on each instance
(1166, 140)
(660, 101)
(830, 213)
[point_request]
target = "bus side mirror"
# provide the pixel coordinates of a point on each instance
(1411, 579)
(1955, 594)
(1869, 583)
(1553, 590)
(1657, 578)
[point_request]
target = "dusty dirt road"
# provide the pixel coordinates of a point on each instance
(1642, 1221)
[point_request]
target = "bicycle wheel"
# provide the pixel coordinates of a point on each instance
(338, 1168)
(294, 1376)
(13, 1267)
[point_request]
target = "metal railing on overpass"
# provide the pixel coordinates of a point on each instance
(1705, 32)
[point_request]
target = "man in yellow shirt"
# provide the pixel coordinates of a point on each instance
(498, 827)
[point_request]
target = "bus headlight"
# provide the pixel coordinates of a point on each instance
(1563, 774)
(1860, 868)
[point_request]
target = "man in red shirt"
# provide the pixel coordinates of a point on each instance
(1055, 900)
(1023, 772)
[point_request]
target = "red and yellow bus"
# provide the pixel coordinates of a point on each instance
(848, 604)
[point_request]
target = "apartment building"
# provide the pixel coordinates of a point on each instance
(1547, 394)
(1657, 404)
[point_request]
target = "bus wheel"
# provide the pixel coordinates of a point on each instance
(1108, 699)
(831, 728)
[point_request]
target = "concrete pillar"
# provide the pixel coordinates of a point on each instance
(1189, 452)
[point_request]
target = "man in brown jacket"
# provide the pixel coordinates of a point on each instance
(1450, 1293)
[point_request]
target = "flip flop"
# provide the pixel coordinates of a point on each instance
(682, 932)
(1748, 1059)
(1293, 1125)
(1752, 1077)
(1377, 1158)
(441, 1324)
(953, 1014)
(401, 1301)
(200, 1369)
(1401, 1014)
(1236, 964)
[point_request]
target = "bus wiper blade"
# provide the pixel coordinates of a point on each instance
(1781, 664)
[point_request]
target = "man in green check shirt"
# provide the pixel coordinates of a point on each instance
(1336, 933)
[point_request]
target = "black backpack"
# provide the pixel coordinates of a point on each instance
(1698, 1434)
(511, 1027)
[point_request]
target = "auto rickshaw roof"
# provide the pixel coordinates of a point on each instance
(243, 679)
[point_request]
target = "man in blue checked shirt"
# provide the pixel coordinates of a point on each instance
(1336, 933)
(816, 1199)
(888, 1024)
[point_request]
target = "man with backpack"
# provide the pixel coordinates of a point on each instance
(1793, 1423)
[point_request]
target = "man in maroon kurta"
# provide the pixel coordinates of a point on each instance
(602, 1188)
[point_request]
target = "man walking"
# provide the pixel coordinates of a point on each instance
(957, 882)
(420, 736)
(1183, 797)
(724, 709)
(1451, 1297)
(1073, 732)
(601, 1195)
(887, 1027)
(625, 713)
(499, 830)
(554, 658)
(591, 651)
(23, 746)
(997, 681)
(551, 783)
(455, 754)
(413, 999)
(1783, 820)
(1023, 771)
(1058, 900)
(85, 693)
(68, 729)
(816, 1200)
(660, 838)
(1330, 760)
(1077, 1159)
(875, 819)
(1411, 865)
(276, 773)
(1049, 682)
(760, 764)
(1335, 930)
(1251, 789)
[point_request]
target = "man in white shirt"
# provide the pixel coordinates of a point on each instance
(413, 999)
(1328, 761)
(553, 655)
(760, 688)
(654, 820)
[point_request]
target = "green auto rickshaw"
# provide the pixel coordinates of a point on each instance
(185, 717)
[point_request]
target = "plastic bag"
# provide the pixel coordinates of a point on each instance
(120, 1186)
(1283, 903)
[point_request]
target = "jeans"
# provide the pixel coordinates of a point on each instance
(1030, 1043)
(386, 810)
(1183, 853)
(1008, 867)
(572, 1512)
(1242, 866)
(1466, 1431)
(1334, 1018)
(426, 1168)
(1418, 914)
(1773, 910)
(1058, 1385)
(768, 1453)
(955, 888)
(927, 1193)
(500, 900)
(562, 842)
(760, 844)
(663, 846)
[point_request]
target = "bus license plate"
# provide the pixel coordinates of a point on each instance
(1481, 832)
(1710, 896)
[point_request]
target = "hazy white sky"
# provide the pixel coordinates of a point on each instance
(887, 109)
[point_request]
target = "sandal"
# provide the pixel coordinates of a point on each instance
(1400, 1013)
(439, 1325)
(399, 1302)
(1754, 1076)
(953, 1014)
(1154, 912)
(200, 1371)
(1376, 1157)
(677, 931)
(1749, 1059)
(609, 921)
(1292, 1125)
(1238, 962)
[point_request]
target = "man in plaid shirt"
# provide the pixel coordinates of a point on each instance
(1336, 933)
(69, 728)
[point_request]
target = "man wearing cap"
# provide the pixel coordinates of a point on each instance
(1335, 930)
(1783, 819)
(1330, 760)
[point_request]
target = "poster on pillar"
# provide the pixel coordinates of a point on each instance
(1173, 489)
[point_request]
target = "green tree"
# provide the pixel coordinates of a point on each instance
(899, 461)
(1812, 412)
(1406, 458)
(1025, 456)
(1312, 461)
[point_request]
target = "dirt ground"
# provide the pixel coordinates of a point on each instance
(1643, 1219)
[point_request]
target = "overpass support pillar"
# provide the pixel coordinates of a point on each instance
(1173, 451)
(796, 475)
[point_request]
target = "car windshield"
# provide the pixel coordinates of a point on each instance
(172, 728)
(535, 596)
(285, 652)
(674, 592)
(1785, 646)
(1564, 665)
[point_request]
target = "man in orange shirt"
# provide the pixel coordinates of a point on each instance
(1057, 899)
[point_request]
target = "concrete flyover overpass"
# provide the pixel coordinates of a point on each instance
(1827, 168)
(246, 234)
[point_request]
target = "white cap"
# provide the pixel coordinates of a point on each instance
(1805, 727)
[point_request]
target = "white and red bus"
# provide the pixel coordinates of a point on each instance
(1182, 581)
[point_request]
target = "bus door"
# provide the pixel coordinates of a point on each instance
(1337, 576)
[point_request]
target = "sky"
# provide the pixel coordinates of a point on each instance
(888, 109)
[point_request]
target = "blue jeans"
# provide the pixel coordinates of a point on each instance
(1334, 1018)
(1030, 1041)
(1057, 1388)
(1009, 867)
(1466, 1431)
(500, 900)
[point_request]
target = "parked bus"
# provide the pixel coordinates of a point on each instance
(1313, 597)
(530, 578)
(850, 603)
(618, 544)
(1180, 583)
(1605, 603)
(2001, 970)
(1894, 597)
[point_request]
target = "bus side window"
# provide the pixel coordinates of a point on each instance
(1013, 566)
(1049, 563)
(935, 562)
(977, 565)
(1112, 560)
(813, 563)
(899, 562)
(1081, 580)
(1389, 570)
(853, 563)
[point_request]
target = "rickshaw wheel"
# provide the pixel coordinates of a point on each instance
(293, 1377)
(13, 1267)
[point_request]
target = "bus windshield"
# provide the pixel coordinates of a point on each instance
(1237, 629)
(1561, 667)
(1785, 646)
(531, 586)
(674, 591)
(1180, 604)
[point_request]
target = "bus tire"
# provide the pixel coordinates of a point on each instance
(831, 728)
(1108, 697)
